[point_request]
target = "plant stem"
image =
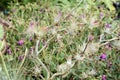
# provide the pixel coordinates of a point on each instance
(43, 65)
(26, 51)
(4, 65)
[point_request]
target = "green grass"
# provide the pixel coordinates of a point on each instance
(62, 40)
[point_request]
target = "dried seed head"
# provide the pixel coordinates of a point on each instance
(91, 48)
(78, 57)
(116, 43)
(84, 75)
(91, 72)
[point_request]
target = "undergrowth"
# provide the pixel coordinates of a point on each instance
(60, 40)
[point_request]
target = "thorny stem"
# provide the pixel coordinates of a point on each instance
(86, 47)
(62, 73)
(67, 14)
(36, 47)
(42, 77)
(107, 41)
(4, 65)
(57, 74)
(26, 51)
(43, 65)
(38, 52)
(110, 39)
(48, 73)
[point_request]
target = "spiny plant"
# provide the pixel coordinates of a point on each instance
(61, 39)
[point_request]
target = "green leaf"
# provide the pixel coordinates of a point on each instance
(1, 32)
(109, 4)
(2, 43)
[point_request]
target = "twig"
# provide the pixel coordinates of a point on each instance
(85, 47)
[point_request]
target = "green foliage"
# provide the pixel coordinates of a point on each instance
(109, 4)
(2, 43)
(4, 3)
(62, 39)
(1, 32)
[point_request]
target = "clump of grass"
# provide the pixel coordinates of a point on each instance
(61, 40)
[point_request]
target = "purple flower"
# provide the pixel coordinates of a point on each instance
(108, 46)
(20, 58)
(31, 24)
(90, 37)
(57, 18)
(103, 56)
(9, 51)
(108, 25)
(119, 34)
(31, 48)
(101, 15)
(109, 64)
(20, 42)
(30, 38)
(42, 10)
(31, 28)
(104, 77)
